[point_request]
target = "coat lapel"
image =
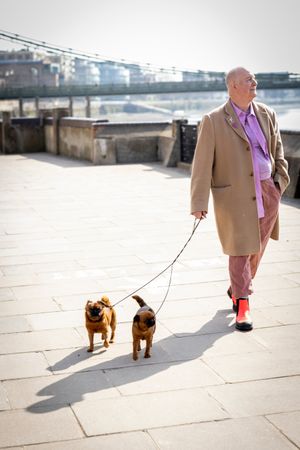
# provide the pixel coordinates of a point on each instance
(233, 121)
(263, 120)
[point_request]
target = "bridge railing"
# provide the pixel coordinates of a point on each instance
(12, 93)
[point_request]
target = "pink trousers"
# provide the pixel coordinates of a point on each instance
(242, 269)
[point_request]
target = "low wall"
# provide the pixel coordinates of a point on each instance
(105, 143)
(291, 145)
(127, 143)
(21, 135)
(76, 138)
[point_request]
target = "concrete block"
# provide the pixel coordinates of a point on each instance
(136, 149)
(104, 151)
(166, 146)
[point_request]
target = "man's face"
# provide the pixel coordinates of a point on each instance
(245, 85)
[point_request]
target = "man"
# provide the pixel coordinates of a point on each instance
(239, 157)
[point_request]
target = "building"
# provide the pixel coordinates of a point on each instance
(23, 68)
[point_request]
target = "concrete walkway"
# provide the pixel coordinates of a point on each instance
(71, 231)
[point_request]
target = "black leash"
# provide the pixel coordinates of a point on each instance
(195, 226)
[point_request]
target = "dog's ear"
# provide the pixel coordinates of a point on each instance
(88, 303)
(136, 318)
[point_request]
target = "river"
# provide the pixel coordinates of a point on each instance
(166, 107)
(192, 106)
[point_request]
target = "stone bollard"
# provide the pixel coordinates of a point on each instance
(6, 124)
(170, 147)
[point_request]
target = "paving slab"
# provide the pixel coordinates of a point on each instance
(256, 365)
(23, 365)
(284, 338)
(57, 391)
(162, 377)
(288, 424)
(251, 433)
(123, 441)
(4, 403)
(29, 306)
(14, 324)
(117, 355)
(254, 398)
(279, 297)
(24, 428)
(57, 320)
(39, 340)
(144, 411)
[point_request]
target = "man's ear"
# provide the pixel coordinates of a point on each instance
(136, 318)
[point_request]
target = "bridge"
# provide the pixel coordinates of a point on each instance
(26, 92)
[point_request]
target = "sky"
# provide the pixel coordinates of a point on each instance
(261, 35)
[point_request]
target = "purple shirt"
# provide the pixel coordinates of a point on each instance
(262, 167)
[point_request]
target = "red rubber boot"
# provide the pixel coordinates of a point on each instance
(243, 319)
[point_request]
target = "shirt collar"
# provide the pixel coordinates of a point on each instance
(242, 114)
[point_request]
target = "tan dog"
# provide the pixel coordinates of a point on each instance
(99, 317)
(143, 328)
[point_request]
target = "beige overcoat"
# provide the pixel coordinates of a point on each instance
(223, 164)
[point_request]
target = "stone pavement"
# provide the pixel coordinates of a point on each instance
(70, 231)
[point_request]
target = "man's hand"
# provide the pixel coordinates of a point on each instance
(200, 214)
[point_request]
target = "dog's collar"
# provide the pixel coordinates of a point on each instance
(104, 304)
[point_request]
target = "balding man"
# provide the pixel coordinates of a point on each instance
(239, 157)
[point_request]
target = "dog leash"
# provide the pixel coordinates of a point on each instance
(195, 226)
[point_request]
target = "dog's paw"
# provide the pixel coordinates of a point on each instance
(135, 357)
(147, 355)
(106, 344)
(90, 350)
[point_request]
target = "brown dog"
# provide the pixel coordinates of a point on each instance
(99, 317)
(143, 328)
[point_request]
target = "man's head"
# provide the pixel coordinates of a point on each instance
(241, 85)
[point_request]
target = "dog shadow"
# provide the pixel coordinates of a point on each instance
(169, 351)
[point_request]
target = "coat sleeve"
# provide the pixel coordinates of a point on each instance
(202, 166)
(281, 165)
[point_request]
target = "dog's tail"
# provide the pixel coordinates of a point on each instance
(105, 300)
(139, 300)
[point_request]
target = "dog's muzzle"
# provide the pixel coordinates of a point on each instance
(95, 312)
(150, 322)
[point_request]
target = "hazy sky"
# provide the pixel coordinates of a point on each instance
(262, 35)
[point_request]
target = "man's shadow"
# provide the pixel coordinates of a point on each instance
(174, 350)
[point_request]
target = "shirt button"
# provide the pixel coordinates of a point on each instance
(248, 149)
(251, 174)
(254, 198)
